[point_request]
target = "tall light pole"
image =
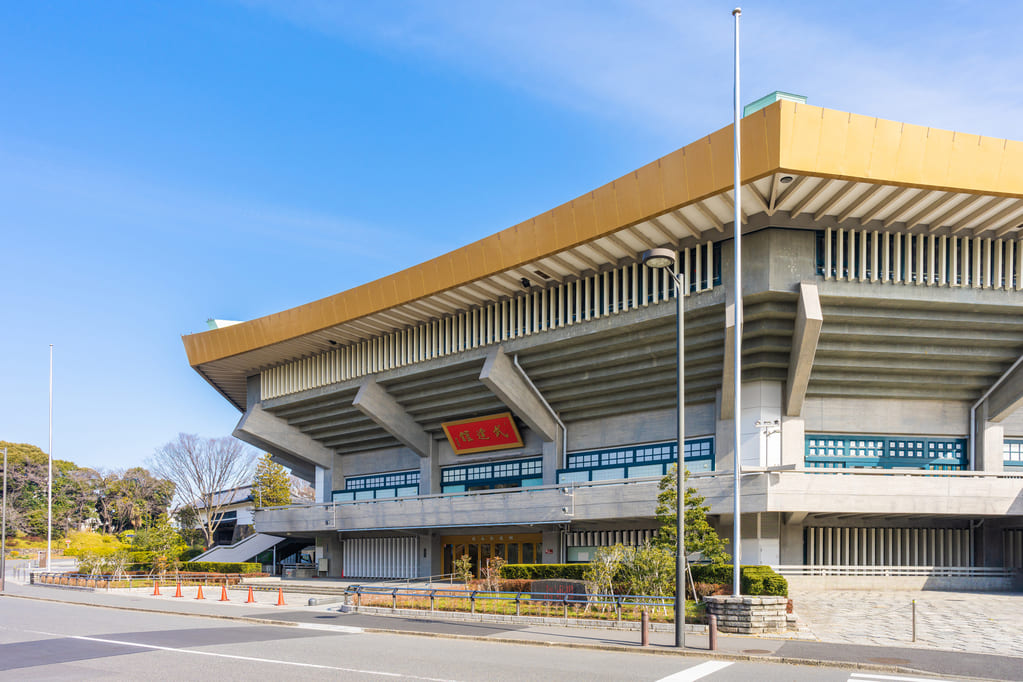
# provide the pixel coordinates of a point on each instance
(737, 327)
(49, 478)
(3, 532)
(667, 259)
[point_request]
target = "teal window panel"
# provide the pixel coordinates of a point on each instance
(872, 451)
(609, 474)
(582, 476)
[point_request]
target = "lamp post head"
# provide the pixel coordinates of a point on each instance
(659, 258)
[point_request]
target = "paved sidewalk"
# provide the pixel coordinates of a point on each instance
(977, 622)
(886, 658)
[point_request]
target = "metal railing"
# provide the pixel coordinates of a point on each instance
(120, 580)
(898, 571)
(619, 603)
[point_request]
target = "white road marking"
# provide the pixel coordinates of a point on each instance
(864, 677)
(241, 658)
(351, 629)
(697, 672)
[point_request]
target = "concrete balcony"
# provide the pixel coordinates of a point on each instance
(530, 506)
(867, 491)
(952, 493)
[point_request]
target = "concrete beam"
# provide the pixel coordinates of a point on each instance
(501, 377)
(1007, 398)
(809, 320)
(287, 444)
(377, 404)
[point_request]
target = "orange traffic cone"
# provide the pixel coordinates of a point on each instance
(156, 588)
(251, 599)
(223, 592)
(198, 594)
(280, 597)
(177, 592)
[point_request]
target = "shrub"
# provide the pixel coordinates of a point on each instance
(753, 580)
(543, 571)
(191, 553)
(89, 542)
(221, 567)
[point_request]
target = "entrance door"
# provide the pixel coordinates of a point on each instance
(524, 548)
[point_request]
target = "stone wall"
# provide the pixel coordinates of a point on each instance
(748, 615)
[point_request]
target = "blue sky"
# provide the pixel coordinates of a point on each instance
(162, 163)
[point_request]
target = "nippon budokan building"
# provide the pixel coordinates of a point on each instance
(516, 397)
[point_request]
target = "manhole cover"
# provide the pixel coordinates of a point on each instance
(890, 661)
(755, 652)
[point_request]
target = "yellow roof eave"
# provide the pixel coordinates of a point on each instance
(783, 137)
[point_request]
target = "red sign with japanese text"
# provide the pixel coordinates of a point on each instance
(480, 434)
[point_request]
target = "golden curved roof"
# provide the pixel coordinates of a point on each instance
(783, 138)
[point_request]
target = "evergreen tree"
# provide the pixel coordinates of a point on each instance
(271, 485)
(700, 535)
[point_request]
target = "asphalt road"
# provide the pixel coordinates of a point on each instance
(43, 641)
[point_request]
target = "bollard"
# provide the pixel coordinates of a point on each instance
(644, 628)
(712, 632)
(914, 620)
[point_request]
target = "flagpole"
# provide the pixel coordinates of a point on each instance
(737, 308)
(49, 480)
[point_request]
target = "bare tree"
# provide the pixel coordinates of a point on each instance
(206, 471)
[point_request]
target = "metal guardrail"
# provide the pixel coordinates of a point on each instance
(618, 602)
(94, 580)
(899, 571)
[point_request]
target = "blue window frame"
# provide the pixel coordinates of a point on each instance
(519, 473)
(378, 486)
(636, 461)
(885, 452)
(1012, 450)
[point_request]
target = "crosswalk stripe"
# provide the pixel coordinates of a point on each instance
(697, 672)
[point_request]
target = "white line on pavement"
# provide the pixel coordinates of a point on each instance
(864, 677)
(241, 658)
(351, 629)
(697, 672)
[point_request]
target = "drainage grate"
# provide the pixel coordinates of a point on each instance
(755, 652)
(890, 661)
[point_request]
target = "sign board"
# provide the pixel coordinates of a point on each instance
(482, 434)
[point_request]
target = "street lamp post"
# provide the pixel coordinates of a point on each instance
(667, 259)
(3, 532)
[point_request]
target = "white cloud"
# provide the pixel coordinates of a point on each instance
(667, 68)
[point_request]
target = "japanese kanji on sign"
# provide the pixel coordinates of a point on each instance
(481, 434)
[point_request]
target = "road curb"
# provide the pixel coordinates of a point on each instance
(618, 648)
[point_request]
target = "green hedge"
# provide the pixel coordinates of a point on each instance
(543, 571)
(221, 567)
(191, 553)
(753, 580)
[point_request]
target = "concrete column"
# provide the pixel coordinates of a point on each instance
(330, 546)
(793, 441)
(792, 539)
(323, 484)
(427, 555)
(551, 547)
(429, 471)
(551, 461)
(990, 439)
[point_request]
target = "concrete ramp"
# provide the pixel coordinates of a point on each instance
(243, 550)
